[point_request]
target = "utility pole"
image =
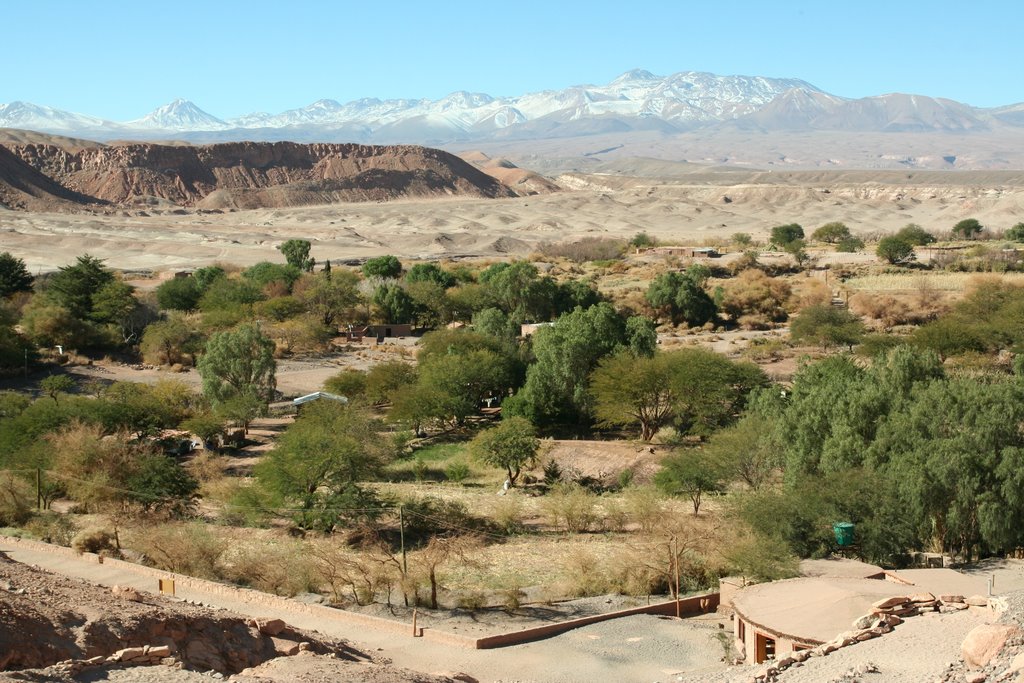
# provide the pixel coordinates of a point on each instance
(401, 539)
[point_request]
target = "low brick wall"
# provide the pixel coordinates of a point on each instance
(275, 604)
(687, 606)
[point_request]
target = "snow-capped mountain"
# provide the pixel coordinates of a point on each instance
(179, 115)
(636, 100)
(35, 117)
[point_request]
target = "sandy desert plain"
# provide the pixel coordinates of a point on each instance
(686, 204)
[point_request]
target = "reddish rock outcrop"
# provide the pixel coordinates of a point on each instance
(258, 174)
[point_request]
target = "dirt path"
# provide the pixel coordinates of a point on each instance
(639, 648)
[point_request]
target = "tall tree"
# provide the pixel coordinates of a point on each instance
(296, 253)
(74, 286)
(14, 277)
(237, 364)
(511, 445)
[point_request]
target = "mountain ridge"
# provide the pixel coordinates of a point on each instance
(635, 100)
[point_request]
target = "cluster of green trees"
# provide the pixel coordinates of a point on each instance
(915, 457)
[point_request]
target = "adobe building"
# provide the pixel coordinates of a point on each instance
(774, 619)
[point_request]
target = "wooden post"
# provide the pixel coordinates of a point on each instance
(39, 489)
(415, 632)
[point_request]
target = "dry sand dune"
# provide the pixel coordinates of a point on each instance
(703, 206)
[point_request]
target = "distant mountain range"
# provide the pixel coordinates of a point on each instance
(635, 101)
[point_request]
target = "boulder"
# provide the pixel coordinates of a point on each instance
(984, 642)
(866, 621)
(270, 627)
(159, 651)
(977, 601)
(889, 603)
(922, 597)
(284, 647)
(951, 598)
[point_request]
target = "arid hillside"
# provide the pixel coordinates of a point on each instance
(23, 187)
(247, 175)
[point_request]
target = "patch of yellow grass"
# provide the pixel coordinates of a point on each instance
(909, 282)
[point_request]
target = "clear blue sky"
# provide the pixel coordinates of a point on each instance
(119, 60)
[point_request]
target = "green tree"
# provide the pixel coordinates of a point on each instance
(915, 235)
(331, 296)
(318, 463)
(641, 335)
(850, 244)
(831, 233)
(1016, 233)
(968, 228)
(14, 277)
(826, 326)
(230, 294)
(157, 482)
(388, 267)
(55, 385)
(511, 445)
(179, 294)
(496, 323)
(73, 287)
(566, 352)
(682, 297)
(691, 474)
(430, 272)
(385, 381)
(167, 341)
(266, 273)
(296, 253)
(892, 249)
(115, 305)
(238, 363)
(394, 305)
(782, 235)
(634, 390)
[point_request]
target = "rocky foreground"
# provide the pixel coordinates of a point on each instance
(55, 628)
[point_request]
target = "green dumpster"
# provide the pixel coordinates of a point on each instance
(844, 533)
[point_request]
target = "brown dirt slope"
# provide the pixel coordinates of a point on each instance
(23, 187)
(46, 619)
(258, 175)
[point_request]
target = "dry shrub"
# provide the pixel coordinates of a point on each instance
(281, 568)
(583, 575)
(94, 541)
(645, 506)
(187, 548)
(613, 515)
(16, 500)
(756, 300)
(356, 577)
(52, 527)
(570, 506)
(629, 574)
(584, 249)
(207, 467)
(811, 292)
(507, 514)
(893, 310)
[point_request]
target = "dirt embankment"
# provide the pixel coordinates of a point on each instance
(61, 626)
(254, 175)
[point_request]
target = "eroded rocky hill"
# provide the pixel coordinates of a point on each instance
(247, 175)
